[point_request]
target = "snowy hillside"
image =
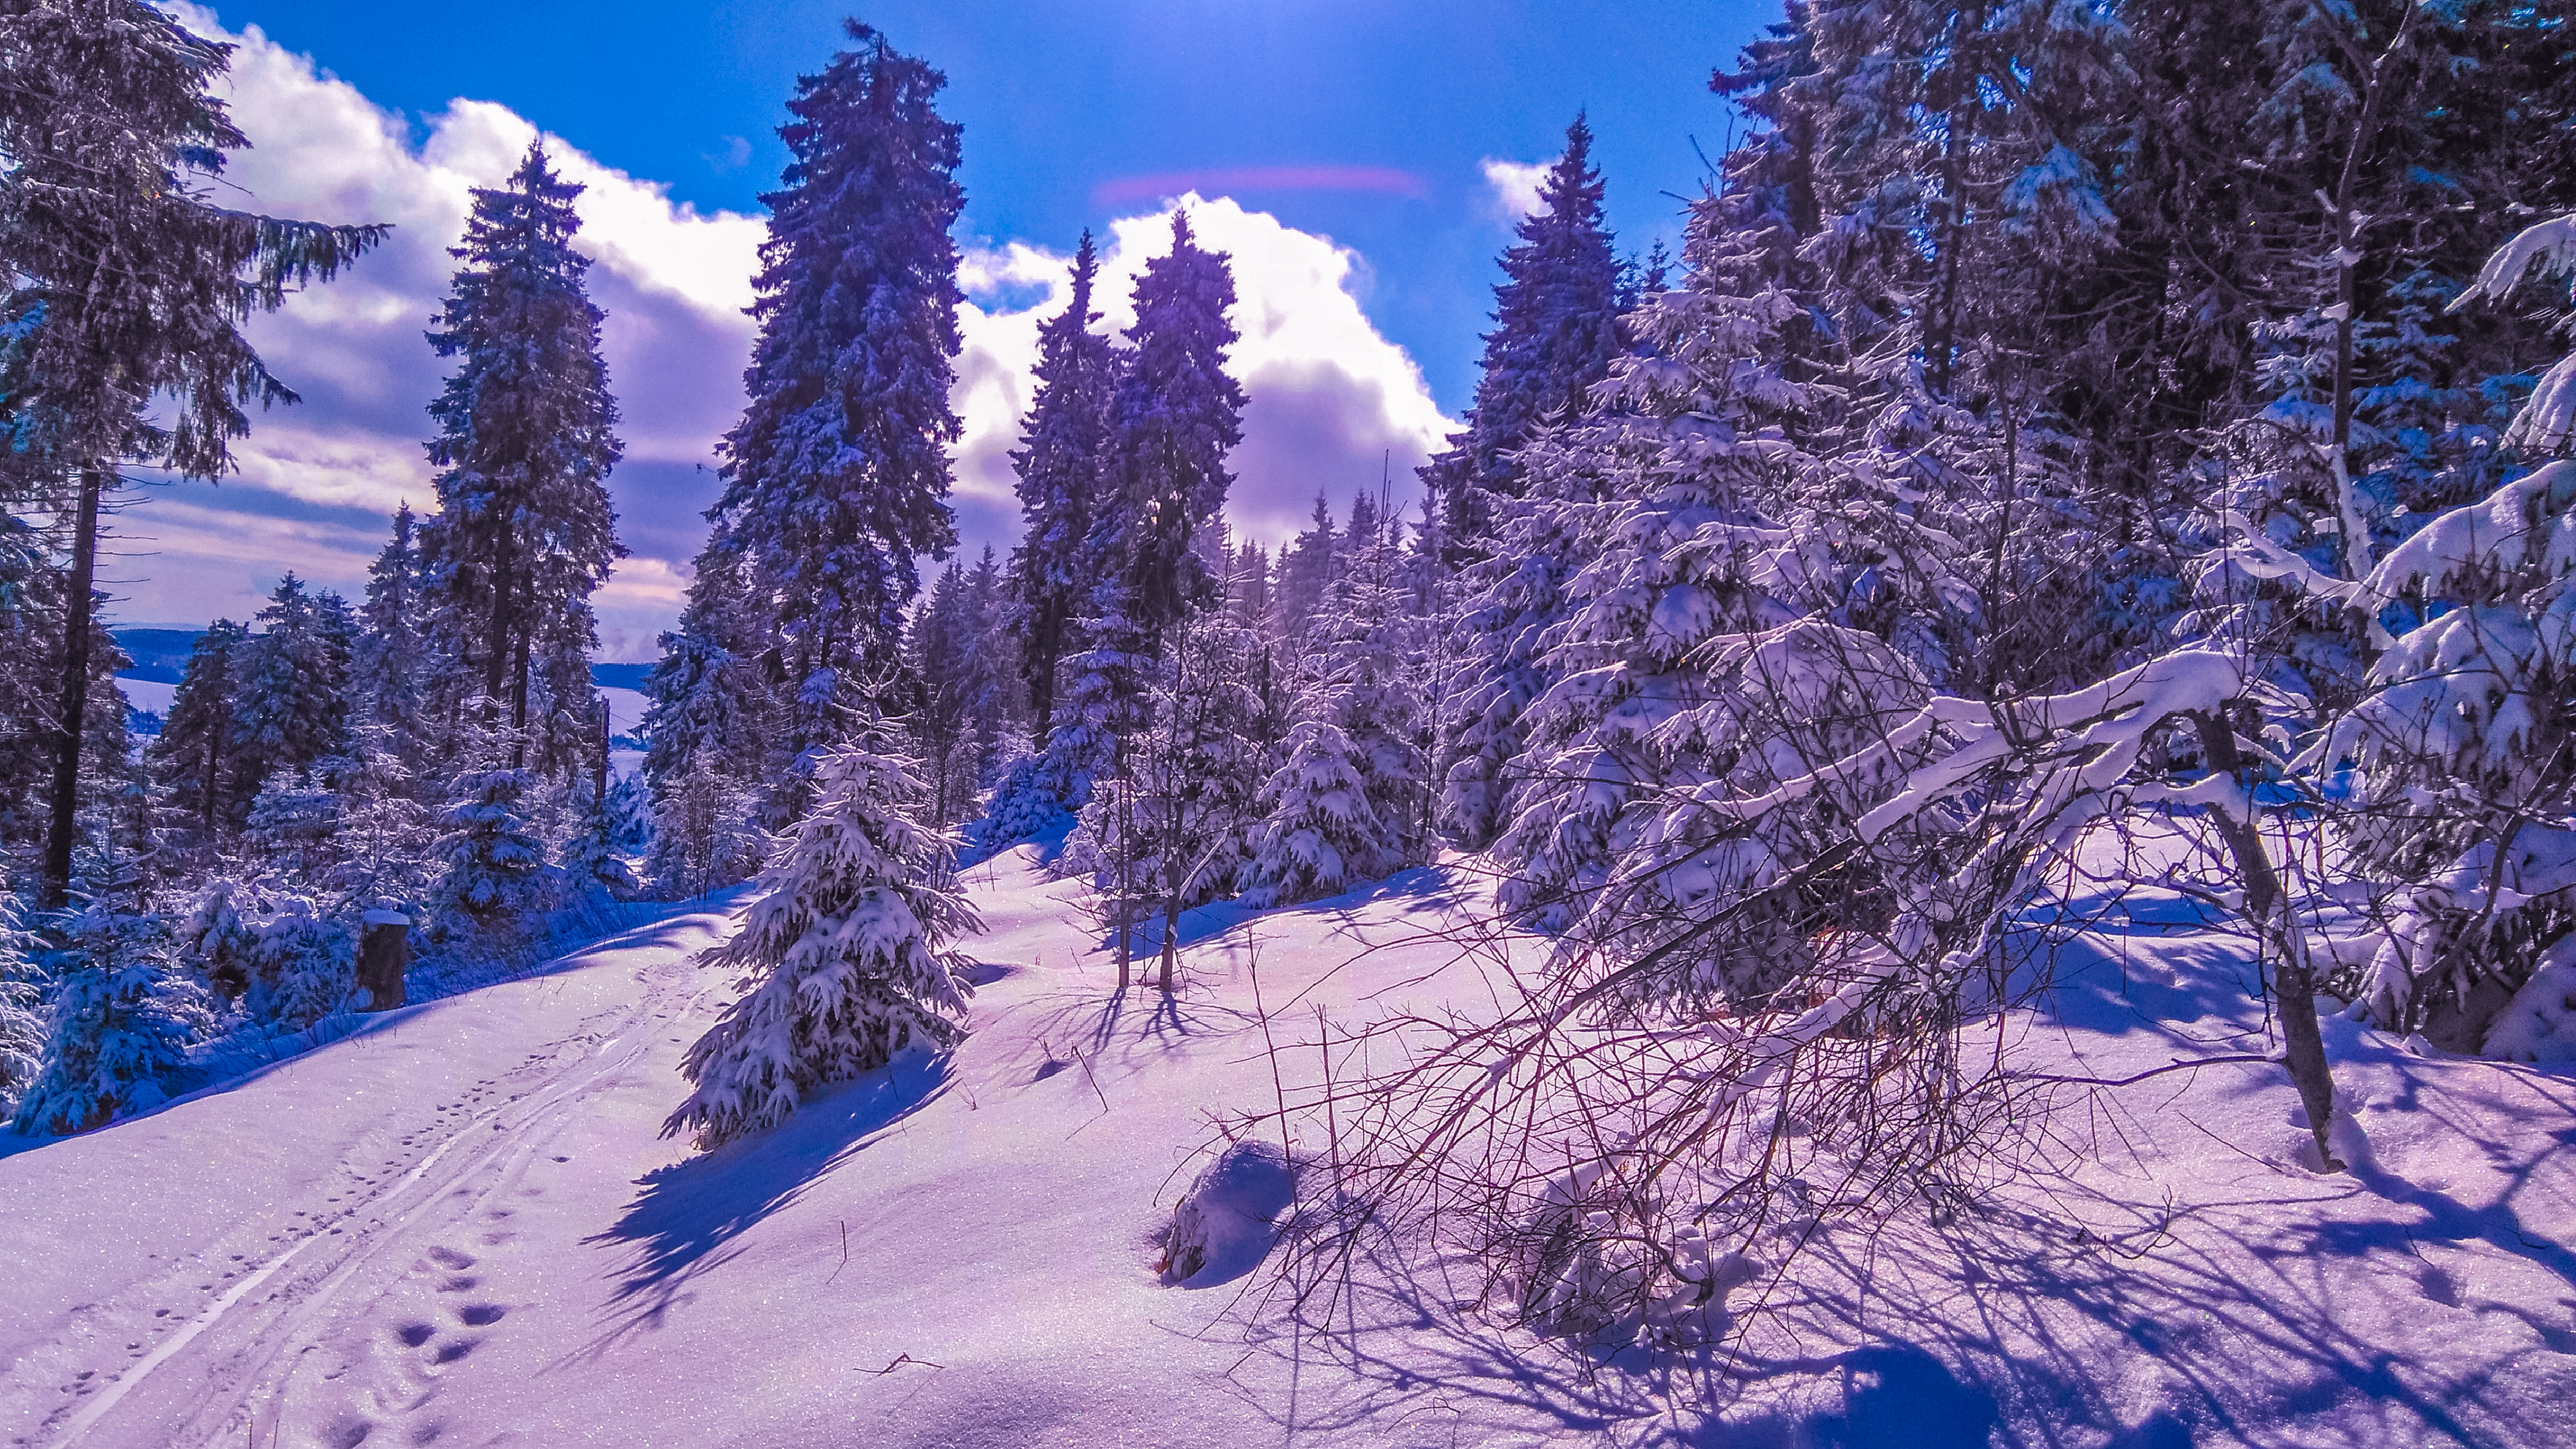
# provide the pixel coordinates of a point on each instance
(459, 1225)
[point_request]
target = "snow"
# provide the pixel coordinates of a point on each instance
(625, 711)
(458, 1224)
(148, 695)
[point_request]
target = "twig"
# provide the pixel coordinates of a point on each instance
(2178, 1065)
(845, 1255)
(899, 1361)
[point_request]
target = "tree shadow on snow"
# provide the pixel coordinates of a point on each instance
(691, 1216)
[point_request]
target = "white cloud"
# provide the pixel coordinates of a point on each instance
(1331, 402)
(1515, 185)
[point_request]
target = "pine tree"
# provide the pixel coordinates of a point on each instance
(494, 865)
(837, 476)
(290, 701)
(939, 653)
(128, 288)
(843, 956)
(1555, 333)
(386, 687)
(524, 531)
(703, 751)
(198, 751)
(1063, 470)
(1176, 415)
(121, 1019)
(22, 1008)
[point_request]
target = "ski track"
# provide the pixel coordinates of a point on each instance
(251, 1347)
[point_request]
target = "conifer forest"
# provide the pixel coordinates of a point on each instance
(1945, 816)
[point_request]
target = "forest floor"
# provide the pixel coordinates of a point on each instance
(460, 1225)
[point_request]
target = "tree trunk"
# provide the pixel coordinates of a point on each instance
(505, 587)
(74, 710)
(1126, 855)
(599, 768)
(519, 690)
(208, 805)
(2294, 980)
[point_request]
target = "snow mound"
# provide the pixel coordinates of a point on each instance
(2539, 1024)
(1224, 1224)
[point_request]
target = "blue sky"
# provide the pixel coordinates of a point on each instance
(1356, 155)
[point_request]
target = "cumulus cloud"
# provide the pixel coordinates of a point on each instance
(672, 280)
(1332, 404)
(1513, 186)
(1332, 401)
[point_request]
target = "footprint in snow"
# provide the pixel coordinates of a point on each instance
(413, 1335)
(481, 1315)
(450, 1258)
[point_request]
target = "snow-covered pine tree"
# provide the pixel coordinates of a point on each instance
(386, 684)
(1196, 775)
(703, 750)
(22, 1008)
(1556, 328)
(1063, 470)
(494, 866)
(940, 659)
(2465, 747)
(288, 958)
(120, 1021)
(128, 285)
(1176, 415)
(197, 753)
(837, 476)
(1001, 715)
(844, 953)
(1307, 568)
(592, 859)
(291, 693)
(524, 531)
(1320, 834)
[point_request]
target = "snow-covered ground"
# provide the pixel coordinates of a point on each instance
(459, 1225)
(148, 695)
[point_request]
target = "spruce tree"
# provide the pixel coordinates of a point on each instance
(837, 476)
(703, 749)
(844, 955)
(1176, 415)
(386, 687)
(290, 696)
(128, 285)
(524, 531)
(1556, 329)
(198, 753)
(939, 654)
(1062, 466)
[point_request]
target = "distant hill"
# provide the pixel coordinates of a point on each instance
(161, 656)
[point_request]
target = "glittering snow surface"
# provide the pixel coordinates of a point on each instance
(459, 1226)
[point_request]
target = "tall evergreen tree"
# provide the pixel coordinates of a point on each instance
(385, 682)
(1556, 329)
(837, 476)
(127, 289)
(197, 751)
(1176, 416)
(1063, 465)
(525, 442)
(290, 699)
